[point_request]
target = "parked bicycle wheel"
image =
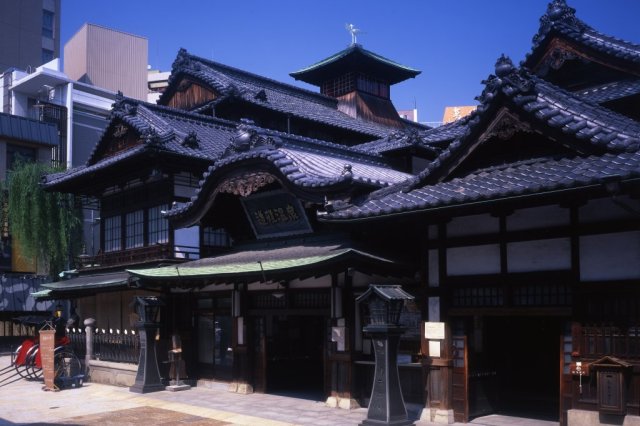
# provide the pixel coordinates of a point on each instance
(34, 366)
(68, 369)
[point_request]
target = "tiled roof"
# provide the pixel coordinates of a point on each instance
(304, 162)
(611, 91)
(561, 19)
(589, 127)
(431, 139)
(401, 72)
(498, 183)
(288, 99)
(615, 140)
(164, 130)
(26, 129)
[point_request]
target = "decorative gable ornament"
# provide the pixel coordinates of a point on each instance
(261, 96)
(248, 137)
(184, 61)
(557, 11)
(123, 106)
(246, 184)
(191, 140)
(505, 126)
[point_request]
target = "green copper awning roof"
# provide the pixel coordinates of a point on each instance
(83, 285)
(265, 263)
(355, 59)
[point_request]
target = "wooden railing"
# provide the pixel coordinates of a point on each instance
(138, 255)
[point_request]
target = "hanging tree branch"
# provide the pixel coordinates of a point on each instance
(47, 225)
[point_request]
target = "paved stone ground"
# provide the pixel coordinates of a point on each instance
(25, 403)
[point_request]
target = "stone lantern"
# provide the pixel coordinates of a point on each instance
(148, 376)
(381, 308)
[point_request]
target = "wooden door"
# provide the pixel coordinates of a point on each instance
(460, 379)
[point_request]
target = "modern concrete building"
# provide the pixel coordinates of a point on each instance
(29, 33)
(79, 110)
(158, 81)
(107, 58)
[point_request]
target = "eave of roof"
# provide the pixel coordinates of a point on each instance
(261, 263)
(85, 284)
(354, 55)
(537, 178)
(28, 130)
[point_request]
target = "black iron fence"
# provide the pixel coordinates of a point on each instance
(117, 346)
(78, 340)
(108, 345)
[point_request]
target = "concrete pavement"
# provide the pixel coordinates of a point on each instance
(24, 402)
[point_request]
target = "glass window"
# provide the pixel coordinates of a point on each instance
(215, 237)
(47, 55)
(112, 234)
(134, 229)
(158, 225)
(47, 24)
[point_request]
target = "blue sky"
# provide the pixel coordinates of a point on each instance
(454, 43)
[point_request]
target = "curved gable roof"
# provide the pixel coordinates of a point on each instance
(308, 164)
(560, 21)
(588, 127)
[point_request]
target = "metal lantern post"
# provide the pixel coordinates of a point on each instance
(381, 307)
(148, 376)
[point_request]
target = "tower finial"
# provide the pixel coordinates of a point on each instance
(353, 31)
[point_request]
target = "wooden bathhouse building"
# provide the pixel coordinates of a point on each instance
(261, 212)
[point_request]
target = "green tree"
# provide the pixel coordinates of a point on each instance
(48, 225)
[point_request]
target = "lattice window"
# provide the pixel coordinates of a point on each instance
(112, 234)
(158, 225)
(478, 296)
(134, 228)
(339, 85)
(215, 237)
(554, 294)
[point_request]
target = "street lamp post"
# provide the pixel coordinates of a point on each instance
(381, 307)
(148, 376)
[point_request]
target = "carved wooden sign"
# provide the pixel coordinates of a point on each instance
(47, 346)
(275, 213)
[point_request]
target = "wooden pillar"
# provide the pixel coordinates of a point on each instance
(339, 349)
(242, 368)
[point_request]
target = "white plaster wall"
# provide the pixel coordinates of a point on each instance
(539, 255)
(610, 256)
(605, 209)
(472, 225)
(537, 217)
(483, 259)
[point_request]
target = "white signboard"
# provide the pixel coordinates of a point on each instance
(434, 348)
(434, 330)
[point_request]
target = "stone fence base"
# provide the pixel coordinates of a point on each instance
(594, 418)
(112, 373)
